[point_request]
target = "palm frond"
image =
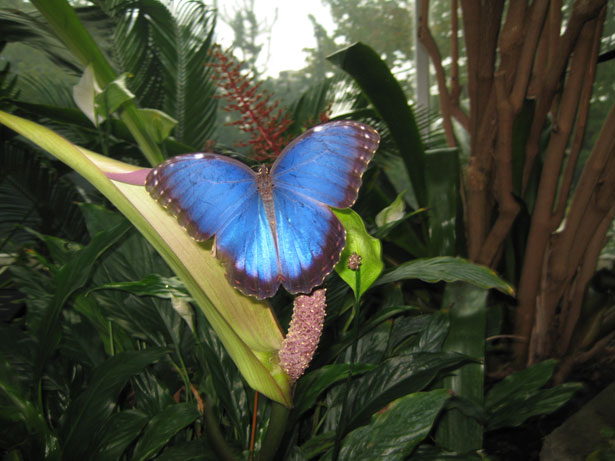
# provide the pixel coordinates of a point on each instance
(31, 29)
(33, 195)
(166, 50)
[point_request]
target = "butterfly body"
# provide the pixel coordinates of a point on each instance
(272, 227)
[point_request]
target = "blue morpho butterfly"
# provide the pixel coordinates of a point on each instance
(271, 227)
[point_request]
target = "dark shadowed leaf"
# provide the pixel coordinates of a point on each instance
(442, 177)
(310, 386)
(88, 412)
(394, 378)
(518, 396)
(194, 450)
(162, 427)
(119, 431)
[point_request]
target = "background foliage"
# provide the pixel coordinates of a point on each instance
(103, 353)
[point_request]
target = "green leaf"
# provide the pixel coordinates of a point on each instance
(162, 427)
(522, 384)
(428, 452)
(112, 97)
(16, 407)
(448, 269)
(394, 212)
(72, 276)
(442, 176)
(395, 431)
(158, 124)
(329, 355)
(518, 396)
(69, 29)
(118, 433)
(314, 383)
(91, 408)
(152, 285)
(394, 378)
(467, 306)
(194, 450)
(247, 327)
(360, 242)
(167, 47)
(543, 402)
(384, 92)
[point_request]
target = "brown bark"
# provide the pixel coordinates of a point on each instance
(541, 227)
(536, 61)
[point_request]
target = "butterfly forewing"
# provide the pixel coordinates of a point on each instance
(202, 190)
(326, 163)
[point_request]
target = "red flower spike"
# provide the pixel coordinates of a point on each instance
(260, 118)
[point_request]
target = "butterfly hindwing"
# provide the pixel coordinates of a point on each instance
(326, 162)
(310, 240)
(246, 248)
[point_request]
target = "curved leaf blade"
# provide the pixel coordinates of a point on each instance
(447, 269)
(394, 432)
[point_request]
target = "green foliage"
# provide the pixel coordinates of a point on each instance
(108, 358)
(519, 396)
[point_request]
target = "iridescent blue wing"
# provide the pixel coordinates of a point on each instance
(310, 240)
(326, 162)
(247, 249)
(216, 195)
(321, 168)
(202, 190)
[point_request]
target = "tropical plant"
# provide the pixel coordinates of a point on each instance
(131, 344)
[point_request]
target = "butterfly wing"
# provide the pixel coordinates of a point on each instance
(321, 168)
(202, 190)
(310, 240)
(326, 163)
(212, 194)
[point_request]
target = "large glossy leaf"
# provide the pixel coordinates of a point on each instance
(384, 92)
(448, 269)
(247, 328)
(394, 378)
(394, 432)
(314, 383)
(543, 402)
